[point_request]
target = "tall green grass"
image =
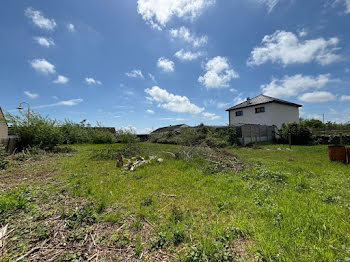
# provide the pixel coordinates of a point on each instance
(290, 205)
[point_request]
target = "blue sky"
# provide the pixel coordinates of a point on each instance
(150, 63)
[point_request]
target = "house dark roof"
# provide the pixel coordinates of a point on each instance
(259, 100)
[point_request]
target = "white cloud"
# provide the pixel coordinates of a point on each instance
(294, 85)
(270, 4)
(213, 102)
(135, 74)
(71, 28)
(72, 102)
(239, 99)
(158, 13)
(46, 42)
(285, 48)
(91, 81)
(233, 90)
(166, 65)
(61, 80)
(152, 78)
(317, 97)
(211, 116)
(218, 73)
(345, 98)
(171, 118)
(303, 33)
(39, 20)
(185, 34)
(171, 102)
(346, 5)
(31, 95)
(43, 66)
(149, 111)
(187, 55)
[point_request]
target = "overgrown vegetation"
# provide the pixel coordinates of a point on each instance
(126, 136)
(36, 130)
(300, 134)
(180, 210)
(3, 161)
(214, 137)
(283, 201)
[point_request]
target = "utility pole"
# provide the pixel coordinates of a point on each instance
(324, 126)
(20, 107)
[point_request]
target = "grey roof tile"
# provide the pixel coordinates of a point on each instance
(261, 99)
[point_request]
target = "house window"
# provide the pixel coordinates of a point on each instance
(259, 110)
(239, 113)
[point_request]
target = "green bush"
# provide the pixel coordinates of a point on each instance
(312, 123)
(36, 131)
(47, 134)
(300, 133)
(75, 133)
(213, 137)
(126, 136)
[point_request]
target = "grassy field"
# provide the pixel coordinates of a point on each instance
(284, 206)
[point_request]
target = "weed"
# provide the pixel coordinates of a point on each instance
(82, 216)
(179, 234)
(42, 231)
(113, 217)
(15, 199)
(68, 257)
(114, 153)
(3, 154)
(208, 250)
(147, 201)
(120, 240)
(212, 168)
(161, 240)
(137, 225)
(138, 246)
(265, 174)
(176, 215)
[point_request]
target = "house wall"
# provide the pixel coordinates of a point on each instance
(3, 129)
(275, 114)
(3, 133)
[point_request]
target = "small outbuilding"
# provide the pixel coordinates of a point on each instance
(3, 128)
(264, 110)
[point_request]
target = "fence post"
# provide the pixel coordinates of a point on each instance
(341, 138)
(251, 134)
(290, 140)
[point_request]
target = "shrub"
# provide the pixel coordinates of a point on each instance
(213, 137)
(301, 135)
(36, 131)
(126, 136)
(75, 133)
(47, 134)
(101, 137)
(312, 123)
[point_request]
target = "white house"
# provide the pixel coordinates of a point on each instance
(3, 128)
(264, 110)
